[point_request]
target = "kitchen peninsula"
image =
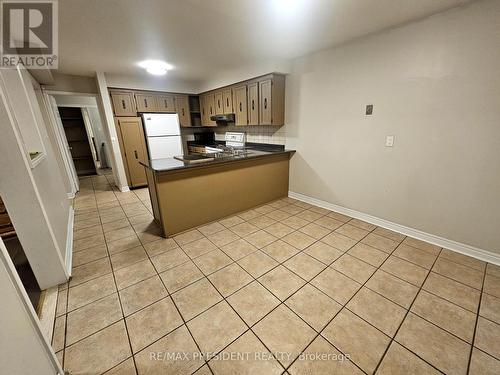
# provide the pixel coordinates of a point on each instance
(186, 194)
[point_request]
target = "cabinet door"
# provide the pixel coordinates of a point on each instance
(218, 103)
(165, 103)
(209, 105)
(265, 91)
(227, 99)
(253, 104)
(134, 149)
(240, 102)
(145, 103)
(123, 103)
(182, 107)
(203, 111)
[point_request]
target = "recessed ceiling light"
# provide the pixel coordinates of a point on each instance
(287, 5)
(156, 67)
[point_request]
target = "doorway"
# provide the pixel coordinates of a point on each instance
(81, 144)
(85, 142)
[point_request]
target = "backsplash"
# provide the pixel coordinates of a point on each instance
(255, 134)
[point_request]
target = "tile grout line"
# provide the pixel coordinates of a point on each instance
(119, 297)
(476, 324)
(124, 319)
(393, 338)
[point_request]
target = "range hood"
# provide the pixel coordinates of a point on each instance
(223, 118)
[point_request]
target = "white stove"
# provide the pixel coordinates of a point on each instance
(235, 139)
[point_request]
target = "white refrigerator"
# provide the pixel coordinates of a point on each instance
(163, 135)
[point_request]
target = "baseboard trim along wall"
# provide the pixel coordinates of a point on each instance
(69, 241)
(124, 189)
(472, 251)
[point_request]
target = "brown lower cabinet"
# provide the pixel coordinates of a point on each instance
(133, 148)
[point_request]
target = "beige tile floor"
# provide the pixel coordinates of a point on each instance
(322, 292)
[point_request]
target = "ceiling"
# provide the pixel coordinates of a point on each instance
(204, 37)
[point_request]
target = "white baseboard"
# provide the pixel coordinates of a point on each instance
(472, 251)
(69, 241)
(124, 189)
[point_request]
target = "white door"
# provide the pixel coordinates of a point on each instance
(164, 147)
(161, 124)
(63, 142)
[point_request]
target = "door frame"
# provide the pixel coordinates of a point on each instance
(62, 143)
(90, 134)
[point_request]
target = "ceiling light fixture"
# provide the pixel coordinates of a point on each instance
(156, 67)
(287, 5)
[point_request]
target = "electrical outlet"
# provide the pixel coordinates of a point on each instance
(369, 110)
(389, 141)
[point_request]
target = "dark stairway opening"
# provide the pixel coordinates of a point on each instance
(18, 257)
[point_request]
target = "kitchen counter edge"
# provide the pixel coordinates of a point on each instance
(171, 164)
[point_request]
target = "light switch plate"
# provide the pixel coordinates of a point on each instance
(389, 141)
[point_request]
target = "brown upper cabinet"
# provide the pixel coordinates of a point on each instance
(272, 100)
(165, 103)
(207, 102)
(240, 105)
(258, 101)
(253, 103)
(146, 103)
(218, 102)
(123, 103)
(182, 107)
(227, 101)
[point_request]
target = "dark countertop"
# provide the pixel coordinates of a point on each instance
(171, 164)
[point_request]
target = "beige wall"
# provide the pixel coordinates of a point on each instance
(72, 83)
(231, 76)
(149, 82)
(435, 85)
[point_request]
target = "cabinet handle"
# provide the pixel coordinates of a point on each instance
(253, 105)
(183, 111)
(135, 153)
(241, 108)
(218, 103)
(166, 104)
(123, 104)
(265, 103)
(210, 110)
(203, 110)
(227, 101)
(145, 103)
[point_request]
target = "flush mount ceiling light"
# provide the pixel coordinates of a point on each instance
(156, 67)
(287, 5)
